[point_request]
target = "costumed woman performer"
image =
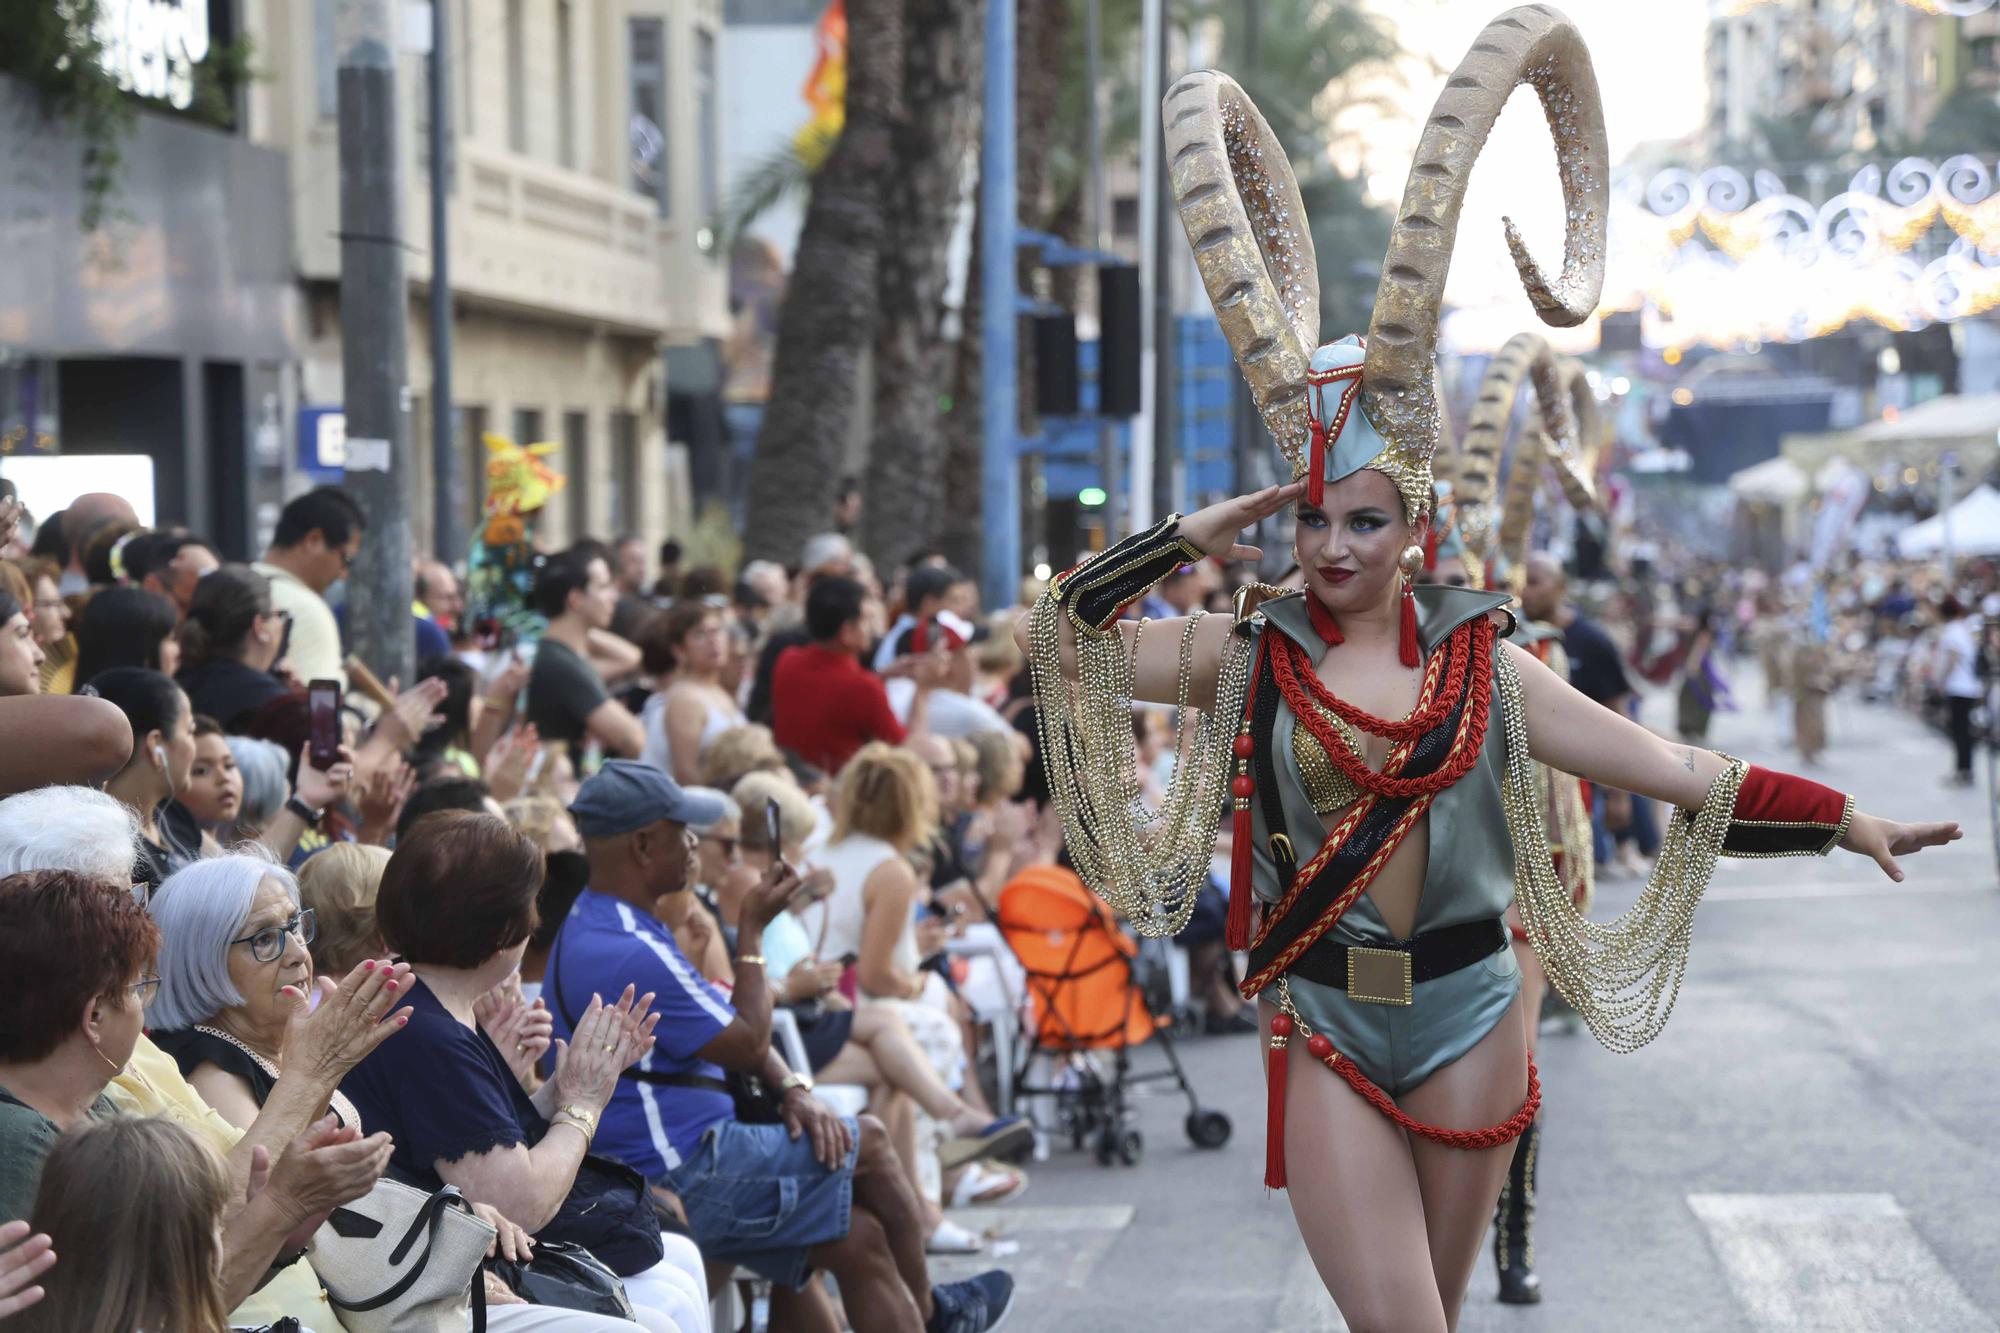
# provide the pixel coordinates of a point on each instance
(1376, 741)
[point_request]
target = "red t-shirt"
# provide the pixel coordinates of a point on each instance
(825, 705)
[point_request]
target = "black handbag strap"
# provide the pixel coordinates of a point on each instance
(429, 1218)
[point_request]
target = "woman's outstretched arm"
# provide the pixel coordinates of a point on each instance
(1569, 731)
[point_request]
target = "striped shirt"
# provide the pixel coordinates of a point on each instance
(603, 946)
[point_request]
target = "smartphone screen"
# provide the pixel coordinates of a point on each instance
(323, 713)
(771, 828)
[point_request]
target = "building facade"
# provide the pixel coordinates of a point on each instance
(583, 161)
(198, 332)
(1859, 77)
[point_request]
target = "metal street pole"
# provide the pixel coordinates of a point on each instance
(1107, 434)
(1166, 351)
(448, 497)
(1000, 468)
(374, 336)
(1139, 506)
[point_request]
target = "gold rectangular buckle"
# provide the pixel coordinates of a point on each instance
(1378, 976)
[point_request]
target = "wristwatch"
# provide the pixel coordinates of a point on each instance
(304, 811)
(803, 1082)
(585, 1118)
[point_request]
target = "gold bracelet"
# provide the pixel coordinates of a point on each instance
(756, 958)
(576, 1125)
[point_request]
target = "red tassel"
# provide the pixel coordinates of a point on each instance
(1236, 931)
(1316, 466)
(1412, 655)
(1274, 1102)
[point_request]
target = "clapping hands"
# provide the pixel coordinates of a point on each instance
(608, 1040)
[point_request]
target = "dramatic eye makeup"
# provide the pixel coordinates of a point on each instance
(1309, 516)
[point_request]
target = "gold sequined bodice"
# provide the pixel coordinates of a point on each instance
(1328, 788)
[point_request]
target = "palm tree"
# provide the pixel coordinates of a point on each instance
(827, 321)
(902, 511)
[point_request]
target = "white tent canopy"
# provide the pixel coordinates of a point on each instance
(1774, 481)
(1972, 525)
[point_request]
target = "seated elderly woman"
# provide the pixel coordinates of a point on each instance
(76, 963)
(457, 901)
(89, 833)
(234, 940)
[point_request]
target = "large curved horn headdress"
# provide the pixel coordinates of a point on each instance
(1562, 432)
(1240, 205)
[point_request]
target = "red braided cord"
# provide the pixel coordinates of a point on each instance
(1252, 986)
(1493, 1136)
(1342, 831)
(1466, 747)
(1422, 720)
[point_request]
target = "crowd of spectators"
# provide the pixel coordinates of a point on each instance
(549, 926)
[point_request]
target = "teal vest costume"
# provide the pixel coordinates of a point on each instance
(1470, 877)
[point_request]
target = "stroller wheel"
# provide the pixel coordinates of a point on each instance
(1208, 1129)
(1131, 1147)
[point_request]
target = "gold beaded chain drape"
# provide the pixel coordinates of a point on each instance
(1624, 976)
(1150, 865)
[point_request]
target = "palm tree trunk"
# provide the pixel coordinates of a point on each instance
(828, 318)
(902, 502)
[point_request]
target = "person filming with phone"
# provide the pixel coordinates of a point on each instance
(848, 1206)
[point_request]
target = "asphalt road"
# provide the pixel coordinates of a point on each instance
(1813, 1142)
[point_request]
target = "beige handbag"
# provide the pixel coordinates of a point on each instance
(398, 1260)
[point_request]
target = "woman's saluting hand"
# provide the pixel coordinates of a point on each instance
(1215, 529)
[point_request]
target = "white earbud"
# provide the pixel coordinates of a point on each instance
(160, 755)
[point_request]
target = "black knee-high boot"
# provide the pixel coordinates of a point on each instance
(1513, 1223)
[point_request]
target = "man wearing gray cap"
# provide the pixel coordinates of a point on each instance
(820, 1190)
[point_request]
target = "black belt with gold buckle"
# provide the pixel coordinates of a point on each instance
(1389, 976)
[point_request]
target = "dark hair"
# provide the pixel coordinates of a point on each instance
(704, 581)
(928, 581)
(660, 641)
(328, 510)
(748, 597)
(50, 542)
(204, 725)
(563, 574)
(149, 700)
(1951, 608)
(222, 612)
(122, 627)
(460, 888)
(10, 606)
(152, 552)
(65, 939)
(834, 603)
(670, 552)
(455, 792)
(100, 543)
(460, 680)
(848, 486)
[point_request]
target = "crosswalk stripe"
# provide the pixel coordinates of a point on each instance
(1832, 1263)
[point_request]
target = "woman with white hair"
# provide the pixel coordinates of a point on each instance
(233, 940)
(68, 828)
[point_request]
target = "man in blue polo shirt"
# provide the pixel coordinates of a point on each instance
(819, 1190)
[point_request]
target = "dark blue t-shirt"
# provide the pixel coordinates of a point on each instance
(603, 946)
(443, 1090)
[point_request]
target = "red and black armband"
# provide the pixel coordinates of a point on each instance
(1779, 814)
(1096, 592)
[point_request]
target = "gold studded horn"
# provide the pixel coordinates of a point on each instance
(1532, 44)
(1562, 431)
(1239, 202)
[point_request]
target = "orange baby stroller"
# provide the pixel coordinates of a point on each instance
(1083, 1000)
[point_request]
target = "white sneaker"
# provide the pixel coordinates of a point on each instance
(981, 1184)
(951, 1238)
